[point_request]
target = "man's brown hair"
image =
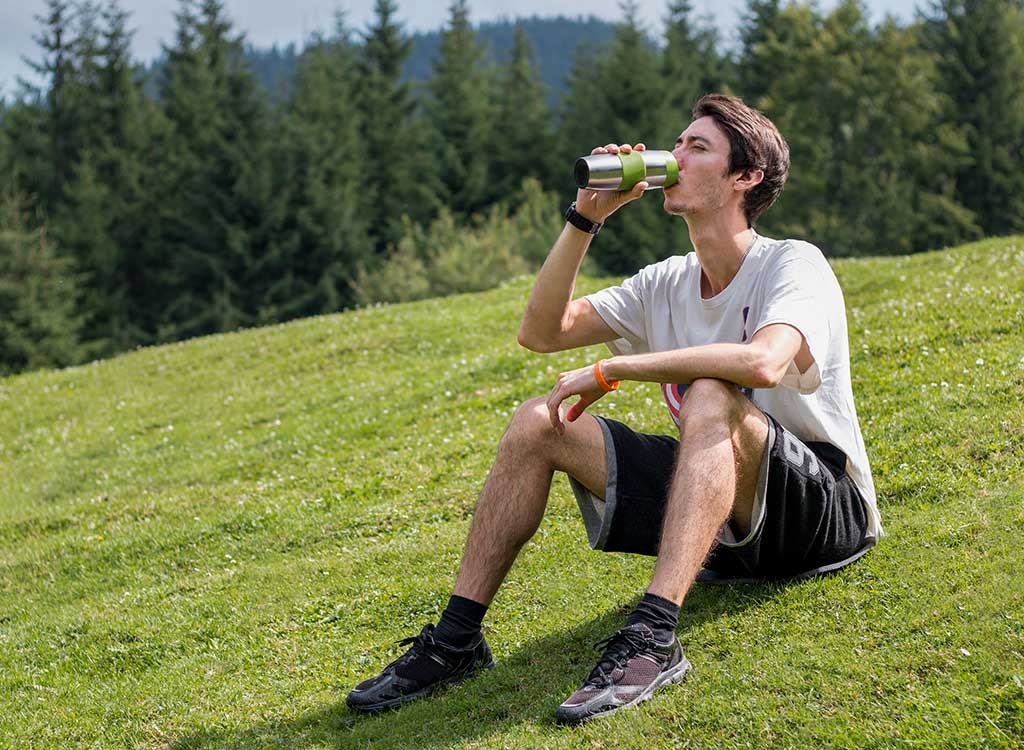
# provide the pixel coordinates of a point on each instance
(754, 143)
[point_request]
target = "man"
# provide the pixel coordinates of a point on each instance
(768, 477)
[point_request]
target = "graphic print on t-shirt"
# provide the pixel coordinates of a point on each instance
(673, 393)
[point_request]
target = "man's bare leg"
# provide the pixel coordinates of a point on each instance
(721, 445)
(509, 511)
(722, 439)
(515, 494)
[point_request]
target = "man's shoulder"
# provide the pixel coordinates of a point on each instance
(793, 256)
(793, 248)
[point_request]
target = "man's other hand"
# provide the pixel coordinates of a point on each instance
(580, 383)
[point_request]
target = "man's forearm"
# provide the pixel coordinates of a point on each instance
(747, 365)
(549, 301)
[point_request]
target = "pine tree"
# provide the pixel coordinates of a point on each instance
(902, 176)
(390, 133)
(83, 227)
(39, 323)
(791, 49)
(223, 207)
(524, 144)
(55, 119)
(691, 65)
(97, 222)
(582, 109)
(127, 168)
(758, 24)
(461, 118)
(329, 178)
(681, 64)
(83, 85)
(980, 49)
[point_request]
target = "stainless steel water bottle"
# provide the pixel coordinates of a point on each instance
(623, 171)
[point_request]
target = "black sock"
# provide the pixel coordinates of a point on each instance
(659, 614)
(460, 621)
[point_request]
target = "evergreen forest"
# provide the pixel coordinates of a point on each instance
(141, 205)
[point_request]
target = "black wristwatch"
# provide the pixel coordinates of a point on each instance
(580, 221)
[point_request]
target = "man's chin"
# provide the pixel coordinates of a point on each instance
(673, 207)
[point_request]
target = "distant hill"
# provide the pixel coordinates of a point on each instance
(554, 44)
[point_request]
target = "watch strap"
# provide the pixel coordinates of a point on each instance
(580, 221)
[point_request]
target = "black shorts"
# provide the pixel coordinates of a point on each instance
(808, 516)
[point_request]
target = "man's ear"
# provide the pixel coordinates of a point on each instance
(748, 179)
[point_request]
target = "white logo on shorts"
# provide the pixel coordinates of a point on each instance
(798, 454)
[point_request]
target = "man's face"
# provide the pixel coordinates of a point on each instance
(705, 186)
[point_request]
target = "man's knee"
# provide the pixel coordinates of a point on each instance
(530, 425)
(711, 399)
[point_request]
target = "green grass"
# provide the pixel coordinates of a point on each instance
(207, 544)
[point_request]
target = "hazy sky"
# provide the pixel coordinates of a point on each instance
(269, 21)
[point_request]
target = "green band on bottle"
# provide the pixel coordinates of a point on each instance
(671, 172)
(633, 169)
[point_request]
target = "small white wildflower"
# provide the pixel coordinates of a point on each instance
(979, 361)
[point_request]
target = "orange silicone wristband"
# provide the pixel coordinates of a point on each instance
(606, 386)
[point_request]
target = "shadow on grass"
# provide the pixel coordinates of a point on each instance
(525, 688)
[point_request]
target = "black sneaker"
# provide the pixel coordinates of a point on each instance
(631, 668)
(421, 670)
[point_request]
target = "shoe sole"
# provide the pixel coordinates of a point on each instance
(395, 703)
(668, 677)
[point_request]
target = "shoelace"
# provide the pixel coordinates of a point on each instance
(620, 647)
(423, 640)
(419, 640)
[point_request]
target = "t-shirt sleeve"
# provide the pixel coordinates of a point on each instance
(796, 293)
(623, 308)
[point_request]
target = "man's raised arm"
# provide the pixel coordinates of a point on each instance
(553, 320)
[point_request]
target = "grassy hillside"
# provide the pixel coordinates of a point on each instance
(207, 544)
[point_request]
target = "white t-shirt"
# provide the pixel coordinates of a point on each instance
(779, 281)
